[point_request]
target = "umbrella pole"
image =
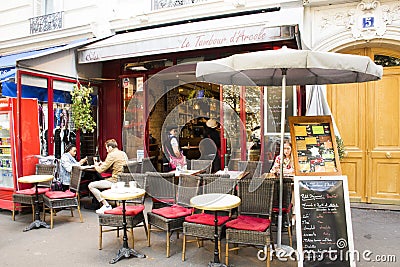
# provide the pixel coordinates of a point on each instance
(282, 250)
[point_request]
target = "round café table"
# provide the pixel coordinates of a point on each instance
(123, 195)
(215, 202)
(35, 179)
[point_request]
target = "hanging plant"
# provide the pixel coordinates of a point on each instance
(81, 108)
(340, 147)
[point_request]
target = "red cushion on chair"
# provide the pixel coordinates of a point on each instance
(175, 211)
(249, 223)
(31, 191)
(284, 210)
(105, 174)
(205, 218)
(60, 194)
(165, 200)
(129, 210)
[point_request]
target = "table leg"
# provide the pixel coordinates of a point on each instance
(216, 262)
(125, 250)
(37, 223)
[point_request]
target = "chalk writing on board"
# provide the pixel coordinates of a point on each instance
(323, 221)
(274, 99)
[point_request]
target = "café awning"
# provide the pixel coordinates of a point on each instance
(231, 31)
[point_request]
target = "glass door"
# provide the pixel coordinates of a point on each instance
(134, 128)
(6, 177)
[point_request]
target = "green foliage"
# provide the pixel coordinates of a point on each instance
(340, 147)
(81, 110)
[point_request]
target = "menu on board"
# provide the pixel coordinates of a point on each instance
(324, 231)
(314, 146)
(274, 100)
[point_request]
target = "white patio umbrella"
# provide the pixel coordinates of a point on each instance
(318, 106)
(288, 67)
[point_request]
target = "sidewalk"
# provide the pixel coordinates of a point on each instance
(72, 243)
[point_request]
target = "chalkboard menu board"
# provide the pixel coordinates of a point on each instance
(274, 100)
(323, 221)
(314, 146)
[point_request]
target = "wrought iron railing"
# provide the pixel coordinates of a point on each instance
(46, 23)
(159, 4)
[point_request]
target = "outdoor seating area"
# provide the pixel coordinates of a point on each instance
(168, 205)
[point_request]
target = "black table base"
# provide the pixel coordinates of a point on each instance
(216, 264)
(37, 223)
(125, 251)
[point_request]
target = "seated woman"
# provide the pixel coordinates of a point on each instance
(67, 161)
(288, 164)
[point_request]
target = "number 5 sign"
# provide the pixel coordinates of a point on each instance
(368, 22)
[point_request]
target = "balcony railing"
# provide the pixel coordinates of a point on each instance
(159, 4)
(46, 23)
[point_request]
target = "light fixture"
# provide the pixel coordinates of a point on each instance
(138, 68)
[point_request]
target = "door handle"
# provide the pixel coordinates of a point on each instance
(388, 155)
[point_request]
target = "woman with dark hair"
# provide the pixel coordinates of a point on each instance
(288, 164)
(67, 161)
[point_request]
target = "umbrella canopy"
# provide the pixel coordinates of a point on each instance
(288, 67)
(304, 67)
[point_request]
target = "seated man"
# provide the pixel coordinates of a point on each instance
(115, 161)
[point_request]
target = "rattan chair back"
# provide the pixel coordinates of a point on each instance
(76, 174)
(287, 192)
(131, 167)
(218, 184)
(188, 187)
(161, 185)
(256, 197)
(233, 164)
(147, 165)
(45, 169)
(201, 164)
(254, 168)
(141, 180)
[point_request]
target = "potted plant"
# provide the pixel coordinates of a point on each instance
(340, 147)
(81, 108)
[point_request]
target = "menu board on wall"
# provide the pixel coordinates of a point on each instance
(274, 100)
(323, 221)
(314, 146)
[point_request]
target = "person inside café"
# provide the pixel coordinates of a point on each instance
(115, 161)
(66, 162)
(288, 163)
(172, 149)
(212, 132)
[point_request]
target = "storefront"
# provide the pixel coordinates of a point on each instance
(48, 76)
(149, 81)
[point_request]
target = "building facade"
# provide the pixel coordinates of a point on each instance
(150, 36)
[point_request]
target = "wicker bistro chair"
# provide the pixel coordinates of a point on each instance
(171, 218)
(131, 167)
(252, 226)
(201, 164)
(286, 205)
(233, 164)
(147, 165)
(27, 196)
(113, 219)
(68, 199)
(254, 168)
(161, 189)
(201, 225)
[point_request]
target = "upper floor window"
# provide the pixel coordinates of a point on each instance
(386, 61)
(46, 7)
